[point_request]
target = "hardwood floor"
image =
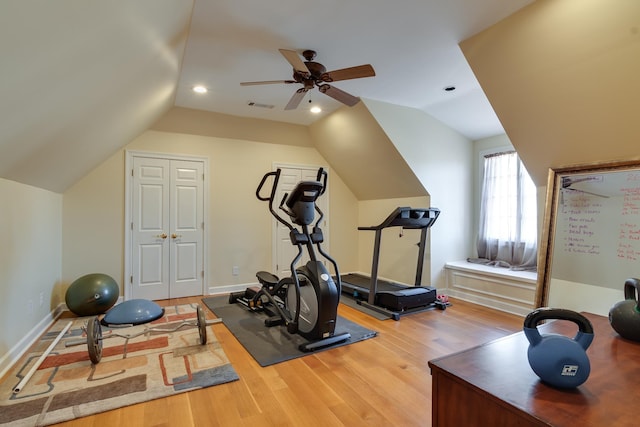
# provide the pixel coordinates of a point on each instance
(384, 381)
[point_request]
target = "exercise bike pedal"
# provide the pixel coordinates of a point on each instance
(325, 342)
(292, 327)
(273, 321)
(234, 296)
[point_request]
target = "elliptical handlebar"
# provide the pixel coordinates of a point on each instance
(322, 177)
(273, 189)
(272, 195)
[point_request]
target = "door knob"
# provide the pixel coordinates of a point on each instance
(175, 236)
(161, 236)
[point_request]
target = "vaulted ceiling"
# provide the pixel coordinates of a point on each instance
(82, 79)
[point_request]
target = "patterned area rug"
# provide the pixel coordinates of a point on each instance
(131, 370)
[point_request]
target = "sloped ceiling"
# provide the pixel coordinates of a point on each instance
(563, 76)
(79, 80)
(82, 79)
(358, 149)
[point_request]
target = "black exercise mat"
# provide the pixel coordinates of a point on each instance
(273, 345)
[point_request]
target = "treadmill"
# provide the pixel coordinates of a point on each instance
(394, 299)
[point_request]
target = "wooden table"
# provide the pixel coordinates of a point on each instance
(493, 384)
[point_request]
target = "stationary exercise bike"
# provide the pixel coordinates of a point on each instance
(307, 301)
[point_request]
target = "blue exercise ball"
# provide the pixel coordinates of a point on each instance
(92, 294)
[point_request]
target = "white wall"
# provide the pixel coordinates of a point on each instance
(30, 262)
(442, 160)
(93, 223)
(238, 227)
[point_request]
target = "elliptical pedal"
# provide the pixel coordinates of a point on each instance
(325, 342)
(273, 321)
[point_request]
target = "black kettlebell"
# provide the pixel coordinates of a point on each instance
(558, 360)
(624, 316)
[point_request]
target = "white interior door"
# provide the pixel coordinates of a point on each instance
(285, 251)
(167, 228)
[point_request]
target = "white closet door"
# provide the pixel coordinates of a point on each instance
(167, 228)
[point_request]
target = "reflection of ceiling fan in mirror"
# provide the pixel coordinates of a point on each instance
(310, 74)
(569, 182)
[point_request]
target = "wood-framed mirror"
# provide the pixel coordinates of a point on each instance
(591, 236)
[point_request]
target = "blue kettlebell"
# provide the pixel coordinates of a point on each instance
(624, 316)
(559, 361)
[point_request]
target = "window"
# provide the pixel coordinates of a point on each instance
(508, 213)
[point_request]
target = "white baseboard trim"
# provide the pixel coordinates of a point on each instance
(17, 351)
(490, 303)
(227, 289)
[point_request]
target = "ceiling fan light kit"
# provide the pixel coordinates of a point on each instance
(313, 74)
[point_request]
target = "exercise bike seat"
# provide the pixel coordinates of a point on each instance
(267, 279)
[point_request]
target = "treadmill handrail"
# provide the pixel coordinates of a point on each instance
(407, 217)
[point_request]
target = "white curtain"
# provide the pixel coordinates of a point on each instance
(508, 230)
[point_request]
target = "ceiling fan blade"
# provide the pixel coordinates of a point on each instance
(296, 99)
(267, 82)
(295, 60)
(349, 73)
(339, 95)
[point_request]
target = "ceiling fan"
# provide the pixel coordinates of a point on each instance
(310, 74)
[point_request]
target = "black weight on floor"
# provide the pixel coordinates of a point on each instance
(94, 340)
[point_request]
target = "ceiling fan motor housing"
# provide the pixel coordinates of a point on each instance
(316, 70)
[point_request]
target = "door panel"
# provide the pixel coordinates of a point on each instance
(152, 198)
(151, 264)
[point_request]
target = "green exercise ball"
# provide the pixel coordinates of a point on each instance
(92, 294)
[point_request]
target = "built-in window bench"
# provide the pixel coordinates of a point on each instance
(495, 287)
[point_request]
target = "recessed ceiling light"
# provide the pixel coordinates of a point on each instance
(315, 109)
(200, 89)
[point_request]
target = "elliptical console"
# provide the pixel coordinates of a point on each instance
(307, 301)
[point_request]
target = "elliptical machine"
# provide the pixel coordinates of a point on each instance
(307, 301)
